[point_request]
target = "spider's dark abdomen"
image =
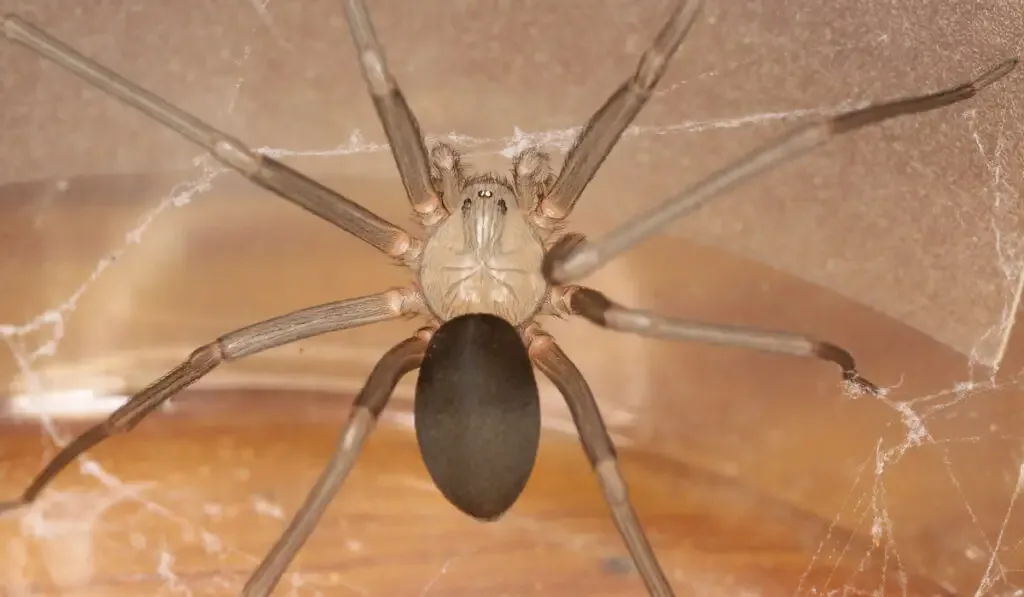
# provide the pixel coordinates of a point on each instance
(478, 414)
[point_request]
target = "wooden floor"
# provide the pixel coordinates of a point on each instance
(195, 501)
(753, 474)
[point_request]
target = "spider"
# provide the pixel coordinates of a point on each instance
(491, 259)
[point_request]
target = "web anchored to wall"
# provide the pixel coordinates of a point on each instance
(919, 220)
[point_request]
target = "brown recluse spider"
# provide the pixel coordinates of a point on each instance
(491, 259)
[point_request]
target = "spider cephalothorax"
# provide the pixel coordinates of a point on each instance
(484, 256)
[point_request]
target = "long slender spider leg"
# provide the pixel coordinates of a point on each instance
(400, 360)
(604, 128)
(599, 309)
(562, 266)
(274, 332)
(262, 170)
(399, 122)
(553, 362)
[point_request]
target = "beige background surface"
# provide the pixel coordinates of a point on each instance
(915, 218)
(900, 243)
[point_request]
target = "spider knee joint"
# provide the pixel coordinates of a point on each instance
(652, 66)
(426, 333)
(537, 340)
(235, 154)
(376, 73)
(612, 483)
(403, 300)
(406, 249)
(208, 356)
(361, 423)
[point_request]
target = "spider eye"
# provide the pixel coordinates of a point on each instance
(502, 206)
(465, 205)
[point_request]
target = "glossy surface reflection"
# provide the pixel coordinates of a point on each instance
(753, 473)
(199, 499)
(800, 462)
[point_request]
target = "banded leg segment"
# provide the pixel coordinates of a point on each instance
(562, 266)
(599, 309)
(400, 360)
(399, 122)
(606, 126)
(278, 331)
(266, 172)
(553, 362)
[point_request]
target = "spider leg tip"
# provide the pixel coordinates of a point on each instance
(11, 506)
(995, 73)
(861, 384)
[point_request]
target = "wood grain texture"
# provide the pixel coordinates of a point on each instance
(753, 473)
(211, 484)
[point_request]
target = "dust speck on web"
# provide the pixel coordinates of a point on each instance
(936, 437)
